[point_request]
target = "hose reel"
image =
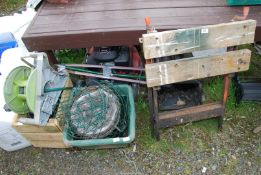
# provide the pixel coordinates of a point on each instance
(24, 89)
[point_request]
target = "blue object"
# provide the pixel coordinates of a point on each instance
(243, 2)
(7, 41)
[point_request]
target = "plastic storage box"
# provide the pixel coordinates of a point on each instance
(109, 142)
(7, 41)
(243, 2)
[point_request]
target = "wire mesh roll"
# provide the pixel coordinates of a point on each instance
(97, 110)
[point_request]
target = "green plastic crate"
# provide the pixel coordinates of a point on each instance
(243, 2)
(109, 142)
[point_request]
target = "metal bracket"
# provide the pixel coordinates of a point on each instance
(44, 103)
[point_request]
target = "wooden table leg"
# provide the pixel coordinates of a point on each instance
(51, 58)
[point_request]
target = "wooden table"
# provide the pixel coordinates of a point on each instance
(85, 23)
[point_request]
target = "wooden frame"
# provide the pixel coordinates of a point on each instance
(186, 69)
(49, 136)
(186, 115)
(168, 72)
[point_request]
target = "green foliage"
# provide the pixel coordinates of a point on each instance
(213, 89)
(255, 65)
(142, 104)
(70, 56)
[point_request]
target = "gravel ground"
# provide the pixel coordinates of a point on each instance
(236, 150)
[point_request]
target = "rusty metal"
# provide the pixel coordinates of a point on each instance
(108, 78)
(226, 88)
(102, 67)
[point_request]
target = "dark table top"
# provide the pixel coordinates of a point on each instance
(85, 23)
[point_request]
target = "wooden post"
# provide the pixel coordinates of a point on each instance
(151, 110)
(51, 58)
(156, 114)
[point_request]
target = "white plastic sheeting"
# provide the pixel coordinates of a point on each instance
(32, 3)
(17, 24)
(10, 140)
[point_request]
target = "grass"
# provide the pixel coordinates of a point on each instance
(255, 66)
(8, 6)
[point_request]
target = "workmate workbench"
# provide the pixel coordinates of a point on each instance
(85, 23)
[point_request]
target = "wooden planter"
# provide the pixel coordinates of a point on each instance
(49, 136)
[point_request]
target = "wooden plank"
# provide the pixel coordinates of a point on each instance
(82, 23)
(78, 6)
(49, 144)
(129, 20)
(44, 136)
(51, 127)
(190, 114)
(175, 42)
(168, 72)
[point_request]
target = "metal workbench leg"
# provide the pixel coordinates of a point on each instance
(226, 85)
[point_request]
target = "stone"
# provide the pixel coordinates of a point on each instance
(257, 129)
(249, 163)
(204, 169)
(214, 167)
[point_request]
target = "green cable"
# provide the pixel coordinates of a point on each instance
(82, 70)
(56, 89)
(129, 76)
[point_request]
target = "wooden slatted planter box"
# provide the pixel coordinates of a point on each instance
(49, 136)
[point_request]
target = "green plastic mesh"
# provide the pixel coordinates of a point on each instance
(95, 110)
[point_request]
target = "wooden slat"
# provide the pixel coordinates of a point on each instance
(51, 127)
(49, 144)
(175, 42)
(195, 113)
(44, 136)
(85, 18)
(168, 72)
(132, 19)
(77, 6)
